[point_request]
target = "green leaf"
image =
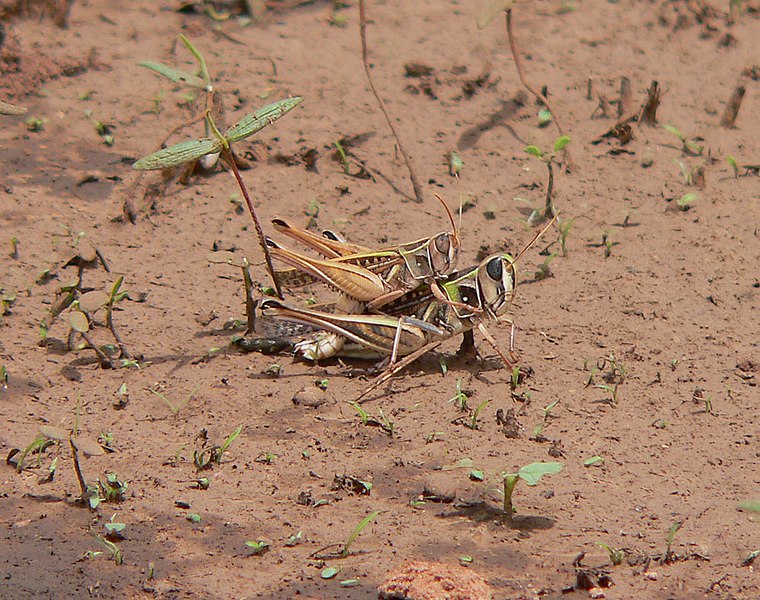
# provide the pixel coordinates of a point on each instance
(561, 142)
(176, 75)
(750, 505)
(329, 572)
(594, 460)
(534, 151)
(178, 154)
(533, 472)
(477, 475)
(78, 321)
(254, 122)
(194, 518)
(349, 582)
(675, 131)
(685, 200)
(490, 12)
(544, 117)
(359, 528)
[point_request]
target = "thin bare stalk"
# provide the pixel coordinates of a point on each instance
(109, 322)
(363, 31)
(78, 470)
(105, 362)
(229, 155)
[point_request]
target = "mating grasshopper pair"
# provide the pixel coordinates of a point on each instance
(397, 302)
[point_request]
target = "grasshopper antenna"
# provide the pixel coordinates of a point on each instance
(536, 237)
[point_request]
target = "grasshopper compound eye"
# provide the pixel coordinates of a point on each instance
(494, 269)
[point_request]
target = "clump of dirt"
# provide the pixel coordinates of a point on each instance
(420, 580)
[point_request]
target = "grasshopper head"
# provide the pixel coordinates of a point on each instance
(496, 283)
(443, 250)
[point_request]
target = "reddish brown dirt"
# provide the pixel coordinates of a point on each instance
(676, 302)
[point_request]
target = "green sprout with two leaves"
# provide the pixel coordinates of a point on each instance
(531, 474)
(549, 160)
(216, 141)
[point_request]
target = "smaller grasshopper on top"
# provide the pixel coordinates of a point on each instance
(376, 277)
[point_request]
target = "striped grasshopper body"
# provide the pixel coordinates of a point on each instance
(416, 322)
(375, 277)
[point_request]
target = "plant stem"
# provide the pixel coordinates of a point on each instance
(510, 481)
(521, 74)
(548, 210)
(363, 32)
(229, 155)
(78, 469)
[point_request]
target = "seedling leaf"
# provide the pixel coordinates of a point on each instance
(175, 75)
(533, 472)
(78, 321)
(54, 433)
(359, 528)
(329, 572)
(178, 154)
(534, 151)
(87, 446)
(685, 201)
(750, 505)
(254, 122)
(594, 460)
(492, 11)
(561, 142)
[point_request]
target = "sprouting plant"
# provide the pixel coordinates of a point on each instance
(113, 489)
(455, 163)
(35, 124)
(215, 141)
(544, 270)
(460, 398)
(687, 146)
(531, 474)
(265, 458)
(549, 159)
(473, 423)
(611, 389)
(684, 202)
(114, 529)
(207, 456)
(175, 408)
(669, 555)
(564, 226)
(344, 549)
(734, 165)
(3, 377)
(258, 547)
(616, 554)
(343, 157)
(116, 554)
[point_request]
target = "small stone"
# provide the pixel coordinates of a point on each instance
(596, 592)
(651, 575)
(310, 397)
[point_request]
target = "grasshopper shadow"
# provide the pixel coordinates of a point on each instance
(482, 512)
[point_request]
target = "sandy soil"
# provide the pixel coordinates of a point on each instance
(667, 309)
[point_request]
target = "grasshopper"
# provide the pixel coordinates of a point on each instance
(414, 323)
(469, 298)
(376, 277)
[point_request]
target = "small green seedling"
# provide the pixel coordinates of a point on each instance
(548, 158)
(544, 270)
(207, 456)
(611, 389)
(687, 146)
(258, 547)
(473, 422)
(669, 554)
(175, 408)
(216, 142)
(455, 163)
(564, 225)
(616, 554)
(116, 554)
(684, 202)
(114, 529)
(113, 489)
(531, 474)
(734, 165)
(4, 377)
(344, 549)
(594, 461)
(460, 398)
(35, 124)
